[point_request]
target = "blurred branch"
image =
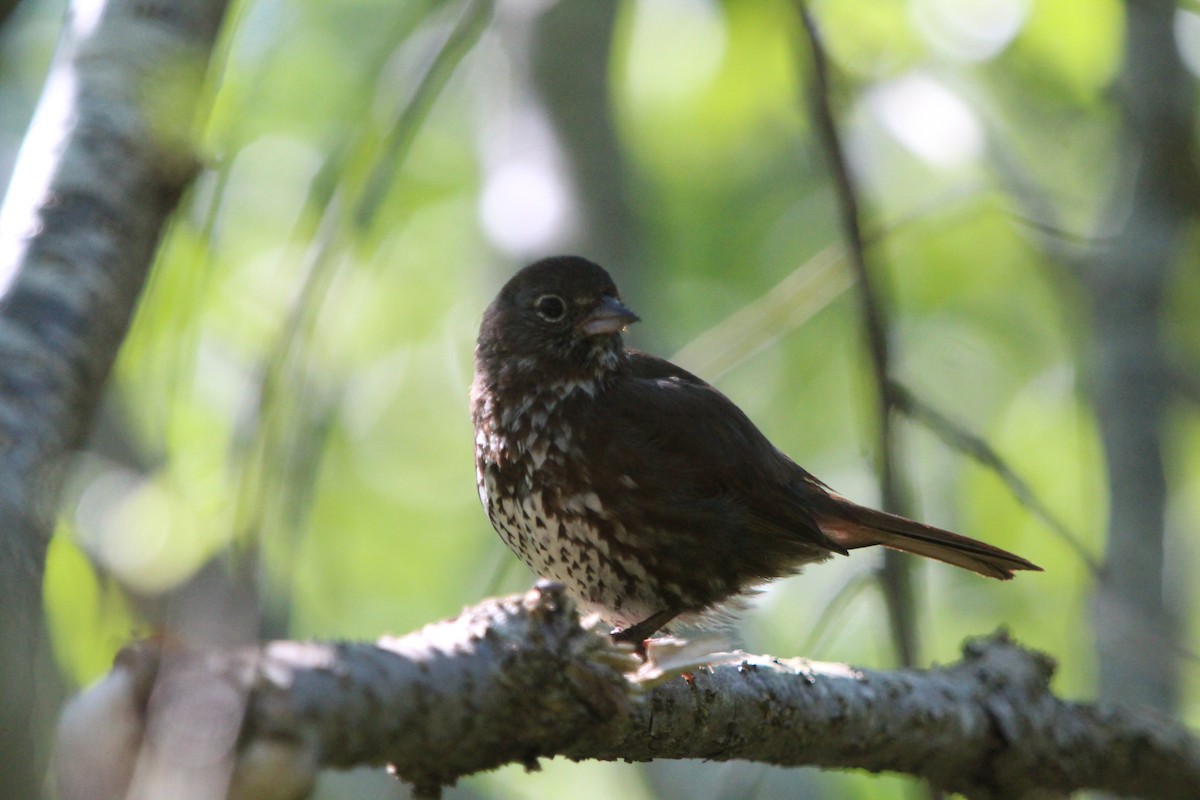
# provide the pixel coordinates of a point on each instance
(273, 440)
(1034, 211)
(896, 574)
(801, 295)
(962, 440)
(830, 611)
(457, 44)
(106, 158)
(755, 326)
(517, 679)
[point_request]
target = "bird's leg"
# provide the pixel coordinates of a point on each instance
(639, 633)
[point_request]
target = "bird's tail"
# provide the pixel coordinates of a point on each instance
(853, 526)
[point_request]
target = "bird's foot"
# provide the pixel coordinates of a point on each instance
(637, 635)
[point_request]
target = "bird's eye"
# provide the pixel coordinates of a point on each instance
(550, 307)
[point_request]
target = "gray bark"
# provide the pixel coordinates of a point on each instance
(103, 165)
(517, 679)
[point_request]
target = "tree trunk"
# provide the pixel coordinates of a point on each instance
(1136, 633)
(103, 165)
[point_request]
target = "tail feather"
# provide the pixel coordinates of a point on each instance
(858, 526)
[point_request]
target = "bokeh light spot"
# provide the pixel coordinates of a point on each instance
(928, 119)
(969, 30)
(523, 206)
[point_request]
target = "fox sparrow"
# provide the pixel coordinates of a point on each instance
(640, 487)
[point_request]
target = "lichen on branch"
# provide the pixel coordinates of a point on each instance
(517, 679)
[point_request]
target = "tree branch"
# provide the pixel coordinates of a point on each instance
(518, 679)
(896, 574)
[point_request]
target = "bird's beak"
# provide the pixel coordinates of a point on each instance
(611, 316)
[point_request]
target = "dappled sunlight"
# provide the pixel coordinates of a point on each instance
(928, 119)
(292, 399)
(969, 30)
(523, 206)
(17, 219)
(1187, 37)
(675, 50)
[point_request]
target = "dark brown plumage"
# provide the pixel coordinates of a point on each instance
(644, 490)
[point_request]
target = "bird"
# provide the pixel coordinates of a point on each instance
(642, 489)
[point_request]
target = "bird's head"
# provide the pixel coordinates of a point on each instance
(560, 319)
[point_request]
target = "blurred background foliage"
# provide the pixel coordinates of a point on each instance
(286, 450)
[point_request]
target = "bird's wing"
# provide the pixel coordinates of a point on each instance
(690, 454)
(715, 480)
